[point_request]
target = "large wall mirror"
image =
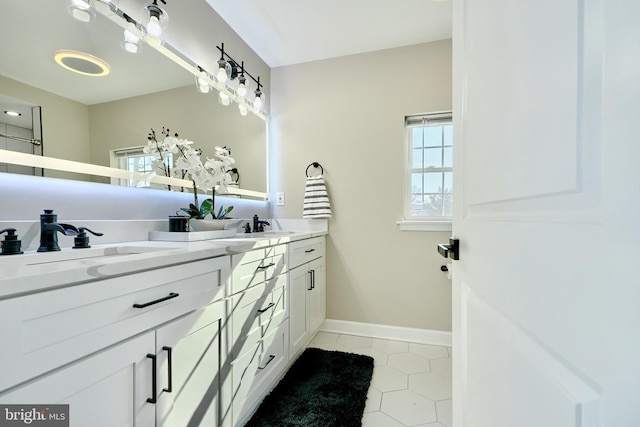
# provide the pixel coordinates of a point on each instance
(87, 118)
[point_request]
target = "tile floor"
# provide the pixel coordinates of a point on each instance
(411, 384)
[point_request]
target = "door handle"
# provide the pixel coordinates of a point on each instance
(451, 250)
(169, 350)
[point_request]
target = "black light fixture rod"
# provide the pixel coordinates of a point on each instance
(222, 56)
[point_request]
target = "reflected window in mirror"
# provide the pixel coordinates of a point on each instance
(136, 160)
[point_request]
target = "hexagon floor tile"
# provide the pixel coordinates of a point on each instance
(411, 384)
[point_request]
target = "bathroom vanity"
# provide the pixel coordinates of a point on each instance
(159, 333)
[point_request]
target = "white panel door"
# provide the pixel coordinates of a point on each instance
(547, 210)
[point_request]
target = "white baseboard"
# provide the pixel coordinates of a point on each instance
(396, 333)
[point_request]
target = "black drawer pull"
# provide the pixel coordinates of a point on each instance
(266, 308)
(264, 267)
(170, 387)
(154, 384)
(271, 357)
(308, 251)
(147, 304)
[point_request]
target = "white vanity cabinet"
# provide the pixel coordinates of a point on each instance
(306, 291)
(259, 309)
(104, 347)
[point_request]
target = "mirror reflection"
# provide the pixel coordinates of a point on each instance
(97, 119)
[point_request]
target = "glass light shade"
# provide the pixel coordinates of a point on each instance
(258, 101)
(131, 42)
(82, 10)
(222, 75)
(242, 87)
(243, 109)
(158, 21)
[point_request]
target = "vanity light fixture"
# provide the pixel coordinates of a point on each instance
(81, 63)
(232, 77)
(157, 23)
(243, 109)
(202, 81)
(11, 113)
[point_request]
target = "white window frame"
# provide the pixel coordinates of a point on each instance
(119, 158)
(411, 222)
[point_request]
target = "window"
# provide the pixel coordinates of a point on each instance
(429, 185)
(134, 159)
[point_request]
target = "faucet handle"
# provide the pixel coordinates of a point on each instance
(10, 245)
(81, 241)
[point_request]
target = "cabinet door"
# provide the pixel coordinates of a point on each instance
(316, 305)
(107, 389)
(189, 383)
(299, 286)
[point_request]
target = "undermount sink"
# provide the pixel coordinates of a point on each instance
(66, 255)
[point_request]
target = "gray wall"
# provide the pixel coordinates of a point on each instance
(348, 114)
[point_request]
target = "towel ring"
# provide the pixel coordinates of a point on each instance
(315, 165)
(235, 171)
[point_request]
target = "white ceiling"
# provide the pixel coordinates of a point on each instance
(284, 32)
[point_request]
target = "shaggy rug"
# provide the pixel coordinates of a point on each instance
(321, 389)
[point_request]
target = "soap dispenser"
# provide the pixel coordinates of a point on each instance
(10, 245)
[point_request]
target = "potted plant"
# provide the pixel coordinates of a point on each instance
(187, 164)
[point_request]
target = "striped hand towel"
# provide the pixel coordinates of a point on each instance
(316, 199)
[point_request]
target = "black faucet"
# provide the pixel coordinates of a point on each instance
(49, 228)
(258, 225)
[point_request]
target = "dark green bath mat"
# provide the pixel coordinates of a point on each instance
(321, 389)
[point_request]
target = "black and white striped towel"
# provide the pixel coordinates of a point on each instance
(316, 199)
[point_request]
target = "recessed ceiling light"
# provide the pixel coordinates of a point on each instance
(81, 63)
(12, 113)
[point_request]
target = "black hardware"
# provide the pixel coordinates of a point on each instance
(444, 268)
(452, 250)
(154, 384)
(266, 308)
(308, 251)
(49, 228)
(147, 304)
(271, 357)
(81, 241)
(169, 351)
(247, 228)
(235, 171)
(313, 279)
(264, 267)
(10, 245)
(315, 165)
(310, 273)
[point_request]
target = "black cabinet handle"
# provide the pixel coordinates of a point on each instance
(310, 273)
(266, 308)
(308, 251)
(271, 357)
(313, 279)
(264, 267)
(170, 387)
(154, 384)
(147, 304)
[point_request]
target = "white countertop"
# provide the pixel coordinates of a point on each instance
(34, 272)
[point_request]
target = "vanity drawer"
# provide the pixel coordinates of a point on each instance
(306, 250)
(255, 312)
(52, 328)
(258, 371)
(255, 267)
